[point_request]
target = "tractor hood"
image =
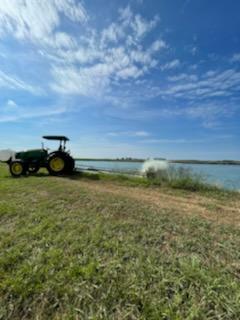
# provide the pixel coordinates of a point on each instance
(36, 154)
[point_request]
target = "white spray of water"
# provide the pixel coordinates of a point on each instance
(5, 155)
(155, 165)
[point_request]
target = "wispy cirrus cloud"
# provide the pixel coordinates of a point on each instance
(12, 112)
(207, 114)
(13, 82)
(172, 141)
(171, 65)
(129, 134)
(235, 57)
(203, 139)
(37, 21)
(210, 114)
(183, 77)
(211, 84)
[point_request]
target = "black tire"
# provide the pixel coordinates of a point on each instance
(57, 163)
(70, 165)
(17, 168)
(33, 168)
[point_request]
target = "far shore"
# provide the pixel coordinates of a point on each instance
(222, 162)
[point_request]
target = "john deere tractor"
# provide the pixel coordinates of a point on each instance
(57, 162)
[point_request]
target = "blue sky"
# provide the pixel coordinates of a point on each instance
(122, 78)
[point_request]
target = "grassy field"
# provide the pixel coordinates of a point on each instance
(104, 247)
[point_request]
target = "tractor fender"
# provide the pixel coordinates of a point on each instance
(57, 153)
(10, 160)
(60, 154)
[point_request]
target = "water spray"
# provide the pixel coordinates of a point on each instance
(154, 165)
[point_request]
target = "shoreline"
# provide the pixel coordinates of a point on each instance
(213, 162)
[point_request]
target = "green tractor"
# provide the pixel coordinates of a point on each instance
(57, 162)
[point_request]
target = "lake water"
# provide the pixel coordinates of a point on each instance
(227, 176)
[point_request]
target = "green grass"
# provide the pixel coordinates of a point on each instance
(178, 185)
(180, 178)
(70, 253)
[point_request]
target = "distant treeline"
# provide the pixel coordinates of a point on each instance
(117, 159)
(233, 162)
(227, 162)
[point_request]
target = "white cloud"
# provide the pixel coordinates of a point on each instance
(129, 133)
(141, 26)
(104, 59)
(63, 40)
(111, 34)
(208, 113)
(13, 82)
(125, 15)
(171, 65)
(158, 45)
(9, 107)
(183, 76)
(23, 113)
(129, 72)
(236, 57)
(172, 141)
(74, 10)
(129, 27)
(194, 50)
(87, 81)
(38, 20)
(11, 104)
(203, 139)
(142, 134)
(211, 84)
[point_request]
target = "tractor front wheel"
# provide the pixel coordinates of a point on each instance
(56, 164)
(17, 168)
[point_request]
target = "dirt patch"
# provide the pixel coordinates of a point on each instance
(192, 204)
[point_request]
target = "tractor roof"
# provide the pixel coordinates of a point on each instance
(61, 138)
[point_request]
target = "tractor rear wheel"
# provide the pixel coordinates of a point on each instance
(70, 165)
(57, 164)
(17, 168)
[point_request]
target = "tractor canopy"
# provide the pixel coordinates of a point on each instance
(61, 138)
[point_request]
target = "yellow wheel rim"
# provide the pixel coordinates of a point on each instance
(57, 164)
(17, 168)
